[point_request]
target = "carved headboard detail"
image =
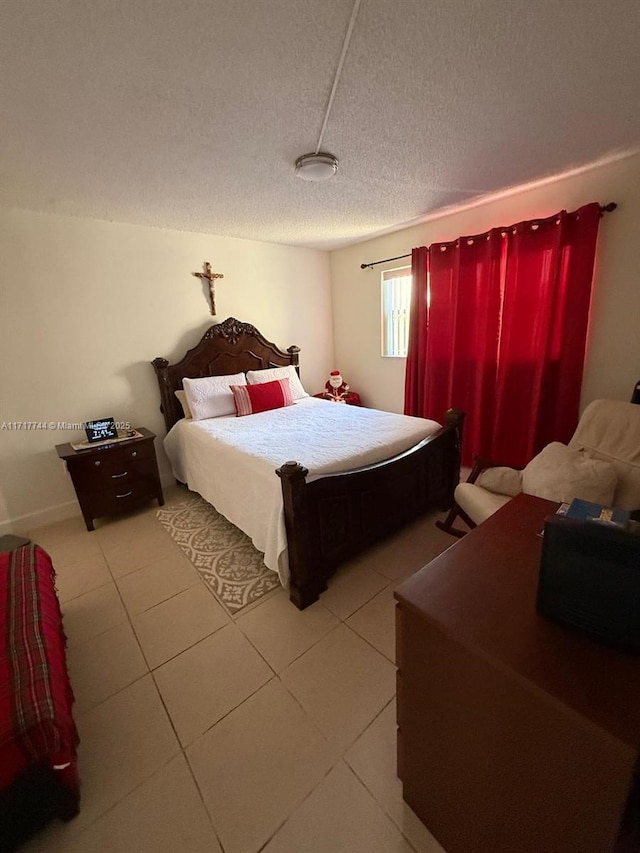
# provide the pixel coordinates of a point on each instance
(228, 347)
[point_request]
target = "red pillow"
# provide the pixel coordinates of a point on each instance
(250, 399)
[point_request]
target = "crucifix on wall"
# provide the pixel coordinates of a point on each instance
(209, 276)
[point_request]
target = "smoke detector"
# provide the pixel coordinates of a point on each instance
(316, 167)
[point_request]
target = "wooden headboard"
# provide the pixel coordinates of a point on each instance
(225, 348)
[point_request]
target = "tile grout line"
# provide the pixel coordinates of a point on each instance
(306, 714)
(226, 714)
(366, 786)
(186, 648)
(369, 643)
(149, 672)
(181, 748)
(299, 805)
(378, 803)
(234, 618)
(298, 656)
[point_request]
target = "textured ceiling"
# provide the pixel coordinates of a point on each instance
(190, 114)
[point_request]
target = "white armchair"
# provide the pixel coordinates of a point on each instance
(601, 463)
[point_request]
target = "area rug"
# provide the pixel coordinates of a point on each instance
(224, 556)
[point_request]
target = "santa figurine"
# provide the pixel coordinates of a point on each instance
(336, 389)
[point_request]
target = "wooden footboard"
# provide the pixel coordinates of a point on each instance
(333, 518)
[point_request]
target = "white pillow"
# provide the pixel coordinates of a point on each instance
(560, 473)
(181, 395)
(210, 397)
(269, 374)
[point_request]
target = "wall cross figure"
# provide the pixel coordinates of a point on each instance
(209, 276)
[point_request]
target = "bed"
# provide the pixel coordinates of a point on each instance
(38, 737)
(325, 515)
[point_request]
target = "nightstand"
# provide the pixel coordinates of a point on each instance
(115, 477)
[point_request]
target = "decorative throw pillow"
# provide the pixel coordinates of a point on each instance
(251, 399)
(560, 473)
(211, 397)
(181, 395)
(269, 374)
(501, 480)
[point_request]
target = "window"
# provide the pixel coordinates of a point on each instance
(396, 301)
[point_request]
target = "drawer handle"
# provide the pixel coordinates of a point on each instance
(98, 462)
(126, 495)
(134, 453)
(115, 476)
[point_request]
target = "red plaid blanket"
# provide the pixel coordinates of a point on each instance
(36, 725)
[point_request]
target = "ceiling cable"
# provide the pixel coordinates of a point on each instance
(345, 47)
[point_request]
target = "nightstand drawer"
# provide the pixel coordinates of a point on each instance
(122, 465)
(119, 497)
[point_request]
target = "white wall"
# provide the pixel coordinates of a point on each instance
(86, 305)
(613, 356)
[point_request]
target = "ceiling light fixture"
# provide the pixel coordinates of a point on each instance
(316, 167)
(320, 166)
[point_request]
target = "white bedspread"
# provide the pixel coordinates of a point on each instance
(231, 461)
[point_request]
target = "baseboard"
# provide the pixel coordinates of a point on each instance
(24, 523)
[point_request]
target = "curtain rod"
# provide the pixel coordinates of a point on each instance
(604, 208)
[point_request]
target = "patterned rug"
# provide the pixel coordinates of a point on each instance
(225, 557)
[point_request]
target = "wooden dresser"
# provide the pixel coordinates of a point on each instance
(515, 734)
(114, 478)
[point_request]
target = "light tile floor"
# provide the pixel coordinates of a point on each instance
(271, 731)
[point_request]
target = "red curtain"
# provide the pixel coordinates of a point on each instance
(415, 379)
(500, 332)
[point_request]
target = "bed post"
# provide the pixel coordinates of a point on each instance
(293, 356)
(453, 416)
(161, 367)
(454, 419)
(303, 586)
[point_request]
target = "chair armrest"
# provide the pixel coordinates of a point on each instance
(480, 463)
